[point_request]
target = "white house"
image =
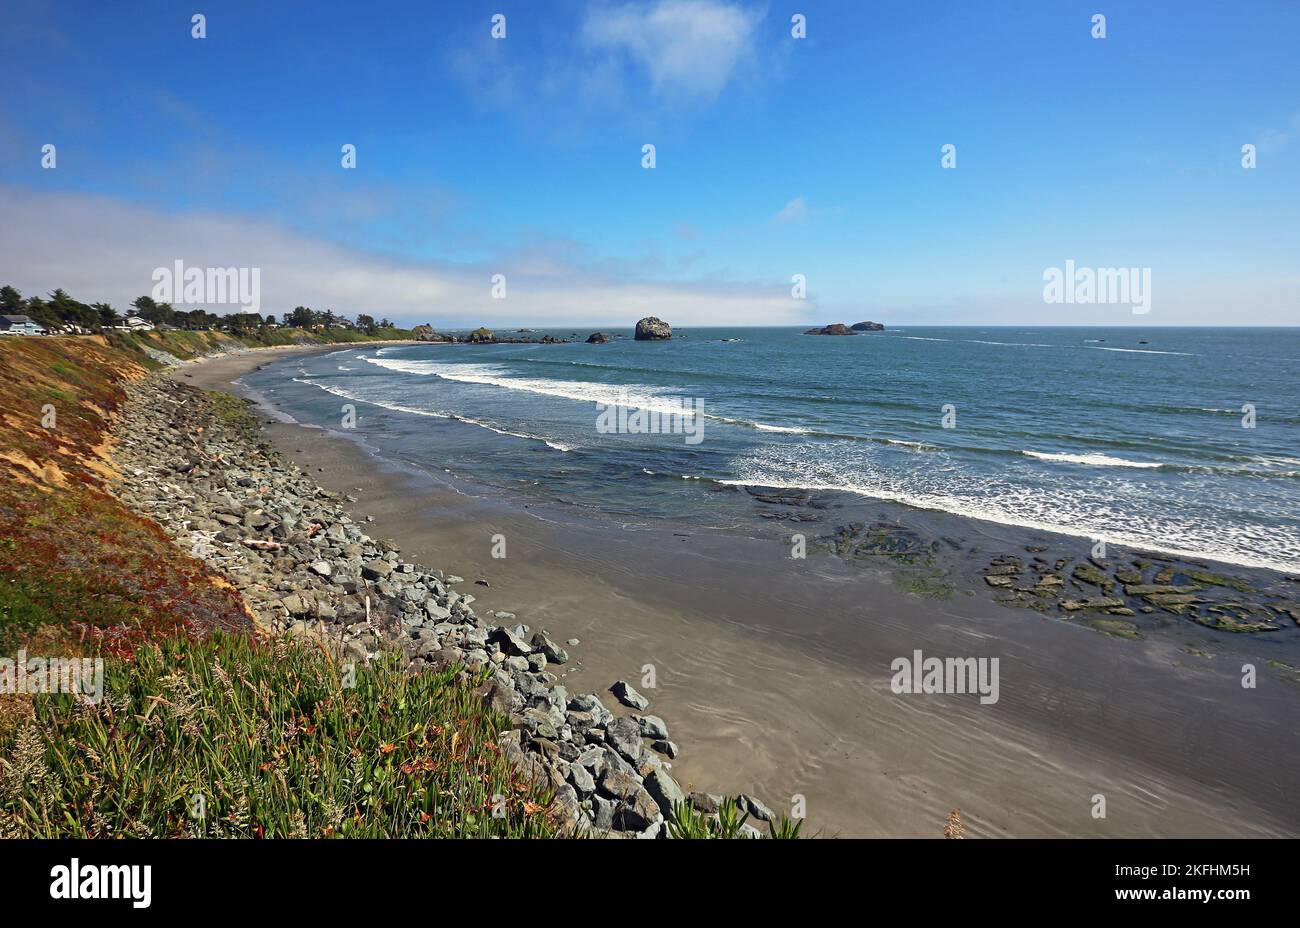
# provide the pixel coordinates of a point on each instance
(136, 324)
(20, 325)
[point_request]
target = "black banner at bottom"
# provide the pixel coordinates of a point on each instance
(332, 878)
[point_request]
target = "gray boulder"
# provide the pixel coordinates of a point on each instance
(554, 653)
(664, 790)
(510, 641)
(755, 808)
(628, 696)
(652, 727)
(624, 735)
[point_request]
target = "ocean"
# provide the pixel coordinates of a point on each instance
(1185, 441)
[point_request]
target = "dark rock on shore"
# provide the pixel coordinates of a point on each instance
(628, 696)
(652, 328)
(1122, 595)
(1150, 587)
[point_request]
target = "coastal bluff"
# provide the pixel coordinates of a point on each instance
(238, 540)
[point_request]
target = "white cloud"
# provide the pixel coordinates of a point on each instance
(689, 48)
(98, 248)
(794, 211)
(1273, 140)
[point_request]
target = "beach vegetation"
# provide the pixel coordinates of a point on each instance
(238, 737)
(205, 728)
(727, 823)
(62, 313)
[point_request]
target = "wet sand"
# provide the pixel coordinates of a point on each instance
(773, 674)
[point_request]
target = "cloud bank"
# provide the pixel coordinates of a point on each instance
(100, 248)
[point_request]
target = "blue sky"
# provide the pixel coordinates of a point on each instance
(775, 157)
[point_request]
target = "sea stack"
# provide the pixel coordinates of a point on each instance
(652, 328)
(837, 328)
(597, 338)
(426, 333)
(868, 326)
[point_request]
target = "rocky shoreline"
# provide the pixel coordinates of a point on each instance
(196, 464)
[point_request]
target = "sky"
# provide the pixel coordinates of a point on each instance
(775, 156)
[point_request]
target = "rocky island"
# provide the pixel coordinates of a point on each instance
(652, 328)
(839, 328)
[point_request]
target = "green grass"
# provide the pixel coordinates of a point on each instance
(230, 737)
(688, 823)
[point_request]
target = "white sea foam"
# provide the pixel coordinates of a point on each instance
(634, 395)
(638, 396)
(1072, 509)
(977, 341)
(433, 413)
(1095, 459)
(1185, 354)
(654, 473)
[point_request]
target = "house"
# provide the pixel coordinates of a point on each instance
(20, 325)
(136, 324)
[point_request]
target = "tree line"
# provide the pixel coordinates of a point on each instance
(61, 311)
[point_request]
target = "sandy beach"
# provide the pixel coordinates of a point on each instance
(773, 673)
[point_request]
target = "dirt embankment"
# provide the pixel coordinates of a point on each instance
(77, 569)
